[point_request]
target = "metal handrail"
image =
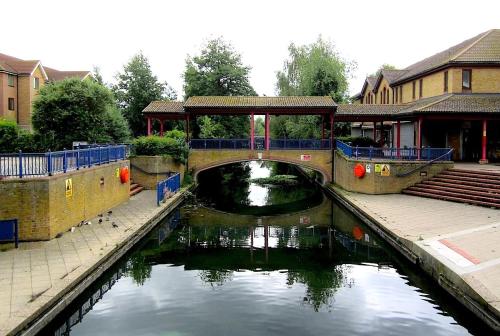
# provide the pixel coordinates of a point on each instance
(425, 165)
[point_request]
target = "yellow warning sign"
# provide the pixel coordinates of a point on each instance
(117, 172)
(69, 187)
(385, 170)
(378, 167)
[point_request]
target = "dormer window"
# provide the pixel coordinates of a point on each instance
(467, 79)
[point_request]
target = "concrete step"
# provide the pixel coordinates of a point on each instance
(450, 198)
(482, 175)
(462, 187)
(469, 179)
(454, 189)
(464, 183)
(481, 172)
(456, 194)
(135, 189)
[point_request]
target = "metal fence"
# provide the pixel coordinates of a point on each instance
(405, 154)
(165, 188)
(42, 164)
(310, 144)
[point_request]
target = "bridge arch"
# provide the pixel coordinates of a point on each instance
(319, 161)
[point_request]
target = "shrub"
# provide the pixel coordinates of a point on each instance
(359, 141)
(8, 136)
(155, 145)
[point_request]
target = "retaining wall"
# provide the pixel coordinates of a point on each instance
(149, 170)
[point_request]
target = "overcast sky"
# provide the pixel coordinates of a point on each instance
(78, 34)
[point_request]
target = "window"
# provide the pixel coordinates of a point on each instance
(10, 80)
(466, 79)
(401, 94)
(12, 106)
(445, 81)
(414, 88)
(394, 95)
(420, 88)
(36, 83)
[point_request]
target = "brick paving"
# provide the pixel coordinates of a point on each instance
(465, 238)
(36, 272)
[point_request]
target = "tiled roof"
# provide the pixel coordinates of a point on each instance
(392, 75)
(483, 48)
(16, 65)
(259, 102)
(164, 106)
(462, 103)
(371, 80)
(368, 109)
(55, 75)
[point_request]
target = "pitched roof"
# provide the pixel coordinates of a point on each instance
(457, 103)
(259, 102)
(379, 110)
(164, 106)
(481, 49)
(56, 75)
(370, 80)
(17, 65)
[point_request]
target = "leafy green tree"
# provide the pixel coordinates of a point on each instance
(136, 88)
(96, 73)
(218, 71)
(311, 70)
(259, 125)
(76, 110)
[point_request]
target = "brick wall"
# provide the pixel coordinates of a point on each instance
(149, 170)
(43, 209)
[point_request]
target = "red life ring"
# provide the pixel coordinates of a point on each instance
(124, 174)
(359, 170)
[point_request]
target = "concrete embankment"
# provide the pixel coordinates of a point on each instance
(40, 279)
(457, 244)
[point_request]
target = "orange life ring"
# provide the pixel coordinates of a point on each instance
(124, 174)
(359, 170)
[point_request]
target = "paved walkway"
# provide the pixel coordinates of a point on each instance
(464, 238)
(491, 167)
(39, 272)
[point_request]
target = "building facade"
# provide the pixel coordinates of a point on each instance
(452, 98)
(20, 82)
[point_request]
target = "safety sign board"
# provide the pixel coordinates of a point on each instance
(385, 170)
(368, 168)
(378, 167)
(305, 157)
(69, 187)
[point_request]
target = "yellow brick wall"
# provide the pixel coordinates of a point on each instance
(41, 205)
(8, 92)
(384, 84)
(24, 101)
(486, 80)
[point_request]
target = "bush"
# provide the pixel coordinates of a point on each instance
(8, 136)
(155, 145)
(359, 141)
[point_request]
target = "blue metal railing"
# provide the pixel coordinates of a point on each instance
(166, 187)
(405, 154)
(43, 164)
(259, 144)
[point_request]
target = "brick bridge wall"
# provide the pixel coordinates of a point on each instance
(320, 160)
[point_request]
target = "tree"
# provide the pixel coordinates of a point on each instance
(75, 110)
(311, 70)
(96, 73)
(136, 88)
(259, 126)
(218, 71)
(384, 66)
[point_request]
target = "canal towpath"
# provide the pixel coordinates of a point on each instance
(39, 279)
(457, 244)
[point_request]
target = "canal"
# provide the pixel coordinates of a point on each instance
(261, 250)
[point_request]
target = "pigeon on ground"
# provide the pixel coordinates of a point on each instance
(100, 220)
(110, 212)
(114, 225)
(100, 215)
(59, 235)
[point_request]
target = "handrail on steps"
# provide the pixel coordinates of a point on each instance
(424, 165)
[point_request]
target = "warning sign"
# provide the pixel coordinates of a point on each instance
(378, 167)
(305, 157)
(117, 172)
(368, 168)
(69, 187)
(385, 170)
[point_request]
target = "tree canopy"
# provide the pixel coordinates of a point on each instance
(75, 110)
(316, 69)
(218, 71)
(384, 66)
(137, 86)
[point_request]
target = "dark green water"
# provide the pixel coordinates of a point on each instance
(223, 265)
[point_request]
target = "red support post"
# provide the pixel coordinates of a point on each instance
(484, 142)
(332, 131)
(267, 136)
(322, 127)
(419, 136)
(398, 139)
(161, 126)
(252, 131)
(149, 126)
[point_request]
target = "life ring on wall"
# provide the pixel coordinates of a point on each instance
(359, 170)
(124, 174)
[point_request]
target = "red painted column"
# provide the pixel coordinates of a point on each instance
(322, 127)
(419, 137)
(484, 142)
(332, 131)
(252, 131)
(267, 136)
(161, 126)
(398, 139)
(149, 126)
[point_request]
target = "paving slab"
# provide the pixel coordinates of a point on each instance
(36, 273)
(459, 243)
